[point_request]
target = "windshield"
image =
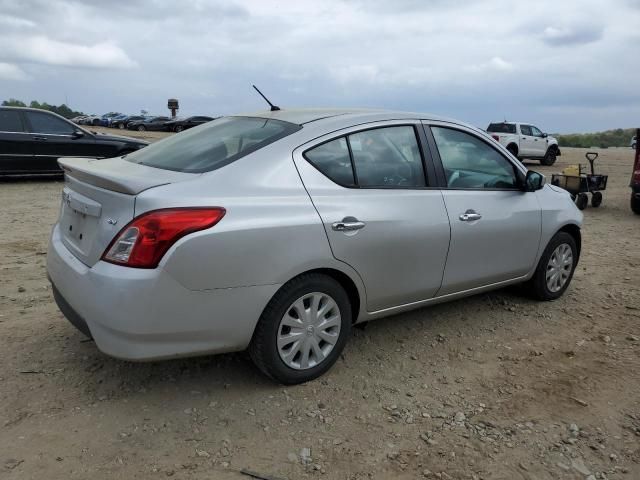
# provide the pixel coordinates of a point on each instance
(213, 145)
(502, 128)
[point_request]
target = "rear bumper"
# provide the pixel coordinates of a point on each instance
(137, 314)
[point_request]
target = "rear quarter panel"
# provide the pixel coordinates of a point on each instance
(270, 233)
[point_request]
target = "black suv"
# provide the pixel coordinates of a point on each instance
(31, 141)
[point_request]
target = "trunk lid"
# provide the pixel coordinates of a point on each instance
(98, 199)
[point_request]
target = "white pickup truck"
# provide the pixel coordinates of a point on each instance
(524, 140)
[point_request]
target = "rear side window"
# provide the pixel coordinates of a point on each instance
(501, 128)
(10, 121)
(213, 146)
(525, 129)
(382, 157)
(46, 123)
(332, 159)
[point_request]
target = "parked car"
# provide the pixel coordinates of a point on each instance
(179, 125)
(277, 232)
(105, 120)
(524, 140)
(152, 123)
(93, 120)
(635, 181)
(121, 123)
(77, 120)
(31, 141)
(634, 140)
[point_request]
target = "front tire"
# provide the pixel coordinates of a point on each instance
(555, 268)
(178, 128)
(121, 126)
(141, 128)
(549, 158)
(302, 330)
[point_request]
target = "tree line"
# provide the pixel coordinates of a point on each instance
(62, 110)
(620, 137)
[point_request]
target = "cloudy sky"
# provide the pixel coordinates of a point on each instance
(568, 66)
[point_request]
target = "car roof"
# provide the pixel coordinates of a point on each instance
(303, 116)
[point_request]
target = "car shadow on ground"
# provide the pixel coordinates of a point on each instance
(101, 377)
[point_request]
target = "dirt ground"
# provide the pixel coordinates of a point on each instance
(491, 387)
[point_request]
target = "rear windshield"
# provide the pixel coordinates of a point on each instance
(502, 128)
(213, 145)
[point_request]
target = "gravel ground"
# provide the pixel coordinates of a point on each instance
(491, 387)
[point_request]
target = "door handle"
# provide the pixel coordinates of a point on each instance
(348, 224)
(470, 216)
(40, 139)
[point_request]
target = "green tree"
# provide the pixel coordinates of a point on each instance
(12, 102)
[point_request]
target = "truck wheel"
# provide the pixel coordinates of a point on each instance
(635, 203)
(550, 158)
(513, 150)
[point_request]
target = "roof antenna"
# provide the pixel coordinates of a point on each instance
(274, 108)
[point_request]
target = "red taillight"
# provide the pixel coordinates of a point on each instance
(495, 137)
(143, 242)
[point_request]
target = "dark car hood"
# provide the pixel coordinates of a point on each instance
(117, 138)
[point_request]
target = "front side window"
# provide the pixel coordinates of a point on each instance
(215, 145)
(525, 129)
(46, 123)
(10, 121)
(471, 163)
(536, 132)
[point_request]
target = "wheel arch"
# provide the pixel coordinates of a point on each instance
(513, 148)
(574, 230)
(356, 297)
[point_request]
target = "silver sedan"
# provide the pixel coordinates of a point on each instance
(278, 231)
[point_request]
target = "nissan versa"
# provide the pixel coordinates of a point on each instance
(278, 231)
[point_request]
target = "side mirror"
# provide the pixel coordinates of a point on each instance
(544, 135)
(77, 134)
(533, 181)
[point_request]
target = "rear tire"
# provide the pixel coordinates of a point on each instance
(635, 203)
(553, 274)
(513, 150)
(582, 200)
(269, 347)
(550, 158)
(121, 126)
(178, 128)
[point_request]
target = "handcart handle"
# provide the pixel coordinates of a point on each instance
(591, 156)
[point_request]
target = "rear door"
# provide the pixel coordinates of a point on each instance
(53, 137)
(16, 150)
(495, 226)
(380, 208)
(527, 144)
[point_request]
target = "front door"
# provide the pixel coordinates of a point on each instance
(16, 151)
(527, 143)
(54, 137)
(539, 142)
(495, 226)
(380, 212)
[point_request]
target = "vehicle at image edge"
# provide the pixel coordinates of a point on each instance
(634, 139)
(151, 123)
(279, 230)
(121, 123)
(635, 181)
(32, 140)
(178, 125)
(524, 140)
